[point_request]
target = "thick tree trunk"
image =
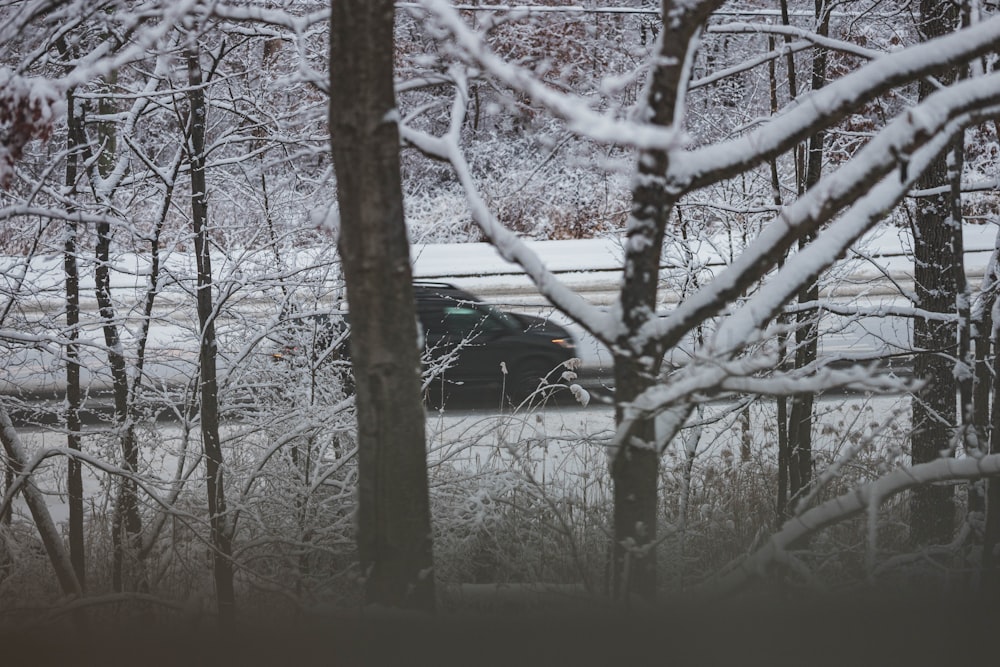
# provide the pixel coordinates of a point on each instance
(221, 534)
(937, 240)
(987, 413)
(635, 473)
(394, 531)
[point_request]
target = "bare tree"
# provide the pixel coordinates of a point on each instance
(823, 222)
(74, 392)
(215, 484)
(394, 534)
(17, 460)
(939, 278)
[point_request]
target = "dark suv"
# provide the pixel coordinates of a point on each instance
(468, 344)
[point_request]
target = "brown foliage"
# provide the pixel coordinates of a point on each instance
(26, 113)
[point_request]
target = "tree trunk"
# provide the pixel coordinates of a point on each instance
(47, 530)
(394, 531)
(221, 535)
(126, 523)
(937, 240)
(800, 420)
(74, 473)
(988, 417)
(635, 465)
(781, 402)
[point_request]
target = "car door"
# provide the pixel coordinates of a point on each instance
(470, 337)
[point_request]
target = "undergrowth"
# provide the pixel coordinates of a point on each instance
(520, 500)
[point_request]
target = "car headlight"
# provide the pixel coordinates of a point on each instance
(566, 343)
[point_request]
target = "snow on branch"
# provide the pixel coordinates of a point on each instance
(710, 377)
(255, 13)
(852, 310)
(931, 123)
(506, 242)
(822, 107)
(100, 62)
(29, 107)
(804, 267)
(576, 111)
(800, 33)
(841, 508)
(749, 64)
(51, 538)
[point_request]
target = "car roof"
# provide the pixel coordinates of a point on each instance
(431, 290)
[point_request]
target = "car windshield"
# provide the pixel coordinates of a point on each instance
(468, 319)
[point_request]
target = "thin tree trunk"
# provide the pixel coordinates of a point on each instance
(800, 419)
(221, 536)
(781, 502)
(989, 421)
(394, 531)
(52, 541)
(635, 464)
(74, 473)
(973, 427)
(937, 238)
(126, 523)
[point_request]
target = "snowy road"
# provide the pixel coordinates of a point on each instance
(877, 273)
(564, 446)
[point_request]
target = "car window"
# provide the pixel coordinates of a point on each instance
(503, 319)
(467, 321)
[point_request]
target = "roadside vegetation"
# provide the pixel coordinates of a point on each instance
(183, 442)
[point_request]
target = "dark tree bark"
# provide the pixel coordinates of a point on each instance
(781, 403)
(394, 532)
(17, 461)
(635, 465)
(74, 473)
(937, 247)
(221, 534)
(988, 415)
(800, 420)
(126, 523)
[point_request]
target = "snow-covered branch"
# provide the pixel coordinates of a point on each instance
(799, 33)
(507, 244)
(708, 377)
(803, 267)
(255, 13)
(749, 64)
(17, 458)
(852, 310)
(850, 504)
(931, 123)
(580, 117)
(823, 107)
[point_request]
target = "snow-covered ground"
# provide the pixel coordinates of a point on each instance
(564, 446)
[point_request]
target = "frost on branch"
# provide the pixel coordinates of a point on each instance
(27, 111)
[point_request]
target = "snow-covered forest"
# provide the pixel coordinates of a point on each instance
(189, 187)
